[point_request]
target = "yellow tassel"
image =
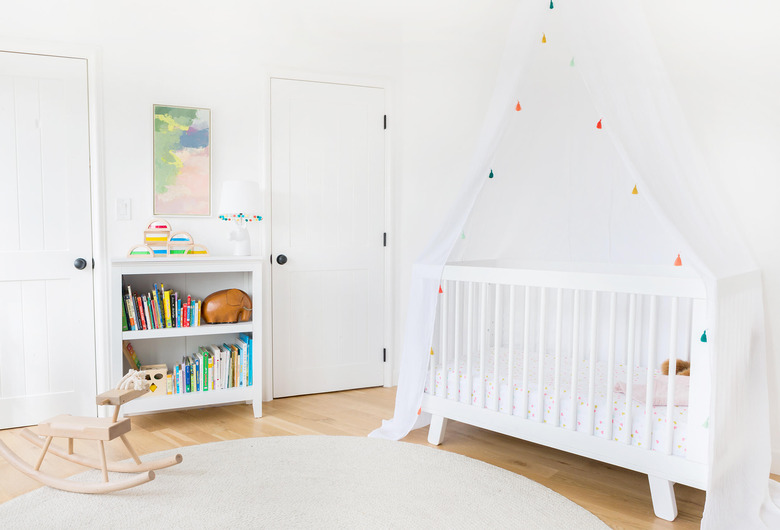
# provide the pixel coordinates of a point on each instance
(431, 351)
(544, 38)
(634, 191)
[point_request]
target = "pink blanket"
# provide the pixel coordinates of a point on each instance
(660, 389)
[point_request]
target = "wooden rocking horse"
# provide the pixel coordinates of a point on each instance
(100, 429)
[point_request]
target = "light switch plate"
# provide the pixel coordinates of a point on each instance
(123, 209)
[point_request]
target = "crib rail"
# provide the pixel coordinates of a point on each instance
(501, 321)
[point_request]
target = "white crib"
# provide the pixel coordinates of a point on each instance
(533, 352)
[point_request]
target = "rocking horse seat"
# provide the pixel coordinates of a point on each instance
(67, 426)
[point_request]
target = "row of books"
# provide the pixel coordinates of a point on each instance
(159, 309)
(214, 368)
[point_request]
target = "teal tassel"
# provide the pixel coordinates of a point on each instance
(491, 174)
(704, 336)
(551, 4)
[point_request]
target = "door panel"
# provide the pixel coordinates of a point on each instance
(47, 344)
(327, 158)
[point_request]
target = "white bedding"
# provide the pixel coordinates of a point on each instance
(621, 430)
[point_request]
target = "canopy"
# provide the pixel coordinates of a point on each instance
(585, 156)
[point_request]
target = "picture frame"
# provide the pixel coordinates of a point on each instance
(181, 147)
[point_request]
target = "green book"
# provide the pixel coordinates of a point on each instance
(124, 316)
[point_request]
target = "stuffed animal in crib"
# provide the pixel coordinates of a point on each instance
(683, 367)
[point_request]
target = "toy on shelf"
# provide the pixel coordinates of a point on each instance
(129, 387)
(161, 241)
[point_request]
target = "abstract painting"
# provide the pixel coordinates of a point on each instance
(182, 161)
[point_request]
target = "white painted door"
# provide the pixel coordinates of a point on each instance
(327, 217)
(47, 339)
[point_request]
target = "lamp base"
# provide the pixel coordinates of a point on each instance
(240, 239)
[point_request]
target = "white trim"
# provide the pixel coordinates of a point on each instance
(101, 273)
(386, 84)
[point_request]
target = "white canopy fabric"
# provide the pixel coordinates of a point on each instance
(561, 191)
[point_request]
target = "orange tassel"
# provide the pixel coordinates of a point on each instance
(419, 411)
(440, 290)
(678, 261)
(518, 108)
(598, 125)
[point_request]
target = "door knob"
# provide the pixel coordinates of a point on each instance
(281, 259)
(80, 263)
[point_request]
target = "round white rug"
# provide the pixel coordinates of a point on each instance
(309, 482)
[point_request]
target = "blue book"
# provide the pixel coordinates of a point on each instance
(188, 377)
(248, 340)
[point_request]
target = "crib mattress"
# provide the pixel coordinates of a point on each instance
(457, 388)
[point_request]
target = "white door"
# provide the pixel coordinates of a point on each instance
(327, 217)
(47, 340)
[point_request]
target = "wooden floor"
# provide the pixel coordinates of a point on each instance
(618, 497)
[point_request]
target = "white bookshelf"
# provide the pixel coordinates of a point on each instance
(199, 277)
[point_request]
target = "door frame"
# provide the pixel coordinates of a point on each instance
(385, 84)
(100, 274)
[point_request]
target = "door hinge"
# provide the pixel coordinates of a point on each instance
(384, 240)
(385, 121)
(384, 355)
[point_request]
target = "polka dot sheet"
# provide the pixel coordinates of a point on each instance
(623, 428)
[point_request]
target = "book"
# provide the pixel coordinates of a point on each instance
(167, 308)
(169, 383)
(129, 353)
(249, 366)
(130, 313)
(243, 369)
(124, 316)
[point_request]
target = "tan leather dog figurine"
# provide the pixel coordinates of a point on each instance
(227, 306)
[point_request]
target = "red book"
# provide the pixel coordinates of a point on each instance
(138, 302)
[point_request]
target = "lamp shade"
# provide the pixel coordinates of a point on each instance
(240, 197)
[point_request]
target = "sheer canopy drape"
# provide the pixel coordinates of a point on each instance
(561, 191)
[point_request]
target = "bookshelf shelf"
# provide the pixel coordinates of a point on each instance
(205, 329)
(199, 277)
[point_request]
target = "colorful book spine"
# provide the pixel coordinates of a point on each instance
(167, 308)
(169, 383)
(130, 313)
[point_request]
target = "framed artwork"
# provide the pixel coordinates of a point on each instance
(182, 160)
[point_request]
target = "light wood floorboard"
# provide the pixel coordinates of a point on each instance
(618, 497)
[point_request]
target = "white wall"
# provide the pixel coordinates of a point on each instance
(441, 58)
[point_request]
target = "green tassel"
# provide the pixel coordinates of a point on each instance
(463, 235)
(551, 4)
(491, 174)
(706, 423)
(704, 336)
(572, 62)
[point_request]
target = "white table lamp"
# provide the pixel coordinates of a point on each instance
(241, 204)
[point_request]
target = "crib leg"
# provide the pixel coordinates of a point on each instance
(662, 493)
(436, 430)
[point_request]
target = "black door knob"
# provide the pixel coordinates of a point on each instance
(80, 263)
(281, 259)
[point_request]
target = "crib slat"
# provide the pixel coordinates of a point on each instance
(469, 343)
(496, 348)
(575, 361)
(592, 363)
(557, 385)
(511, 357)
(542, 346)
(611, 365)
(650, 374)
(526, 338)
(628, 420)
(458, 339)
(482, 311)
(443, 328)
(672, 379)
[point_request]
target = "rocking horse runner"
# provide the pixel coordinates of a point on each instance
(130, 387)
